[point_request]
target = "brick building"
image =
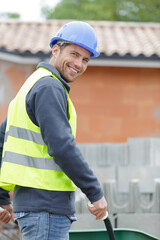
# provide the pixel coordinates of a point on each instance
(117, 97)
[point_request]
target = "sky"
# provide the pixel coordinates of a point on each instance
(28, 9)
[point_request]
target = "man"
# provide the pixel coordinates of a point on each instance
(41, 162)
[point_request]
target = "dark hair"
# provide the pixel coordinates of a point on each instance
(62, 44)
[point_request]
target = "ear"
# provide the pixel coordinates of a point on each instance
(55, 50)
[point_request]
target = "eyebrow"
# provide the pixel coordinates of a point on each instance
(86, 58)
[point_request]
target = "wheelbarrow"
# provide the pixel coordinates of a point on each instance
(119, 233)
(116, 234)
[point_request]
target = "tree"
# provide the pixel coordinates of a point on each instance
(10, 15)
(82, 10)
(111, 10)
(139, 10)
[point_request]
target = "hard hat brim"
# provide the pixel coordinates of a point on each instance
(94, 53)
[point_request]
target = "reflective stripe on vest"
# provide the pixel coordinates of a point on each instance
(26, 161)
(22, 133)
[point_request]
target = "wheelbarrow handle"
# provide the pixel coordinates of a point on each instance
(107, 223)
(109, 228)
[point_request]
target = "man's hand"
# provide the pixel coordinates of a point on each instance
(6, 214)
(99, 208)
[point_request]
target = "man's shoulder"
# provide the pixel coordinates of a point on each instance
(47, 82)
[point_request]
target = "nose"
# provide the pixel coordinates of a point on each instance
(78, 63)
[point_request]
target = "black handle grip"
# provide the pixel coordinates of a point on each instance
(109, 228)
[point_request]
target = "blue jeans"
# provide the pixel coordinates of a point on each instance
(44, 226)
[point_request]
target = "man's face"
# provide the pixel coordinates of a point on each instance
(71, 61)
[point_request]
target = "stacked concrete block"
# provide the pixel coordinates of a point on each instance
(155, 151)
(130, 176)
(145, 174)
(144, 151)
(105, 154)
(139, 151)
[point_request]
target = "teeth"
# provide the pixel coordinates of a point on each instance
(73, 70)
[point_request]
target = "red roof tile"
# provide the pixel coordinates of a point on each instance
(113, 37)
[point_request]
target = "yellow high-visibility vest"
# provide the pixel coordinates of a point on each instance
(25, 159)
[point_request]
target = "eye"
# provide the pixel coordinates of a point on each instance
(86, 60)
(74, 53)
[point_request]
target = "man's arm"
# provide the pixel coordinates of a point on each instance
(5, 202)
(48, 102)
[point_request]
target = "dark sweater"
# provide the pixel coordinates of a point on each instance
(46, 106)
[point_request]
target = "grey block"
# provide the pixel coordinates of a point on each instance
(104, 174)
(139, 151)
(105, 154)
(95, 154)
(134, 200)
(118, 154)
(145, 175)
(155, 151)
(148, 223)
(144, 151)
(115, 205)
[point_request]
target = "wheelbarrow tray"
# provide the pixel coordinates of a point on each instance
(120, 234)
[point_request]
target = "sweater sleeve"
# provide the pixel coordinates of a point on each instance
(4, 195)
(48, 101)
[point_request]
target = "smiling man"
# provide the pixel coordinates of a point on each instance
(72, 63)
(41, 162)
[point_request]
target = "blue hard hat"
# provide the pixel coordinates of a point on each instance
(80, 33)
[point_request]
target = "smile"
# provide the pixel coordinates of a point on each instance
(73, 70)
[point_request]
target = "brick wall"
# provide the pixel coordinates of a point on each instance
(112, 103)
(12, 76)
(116, 103)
